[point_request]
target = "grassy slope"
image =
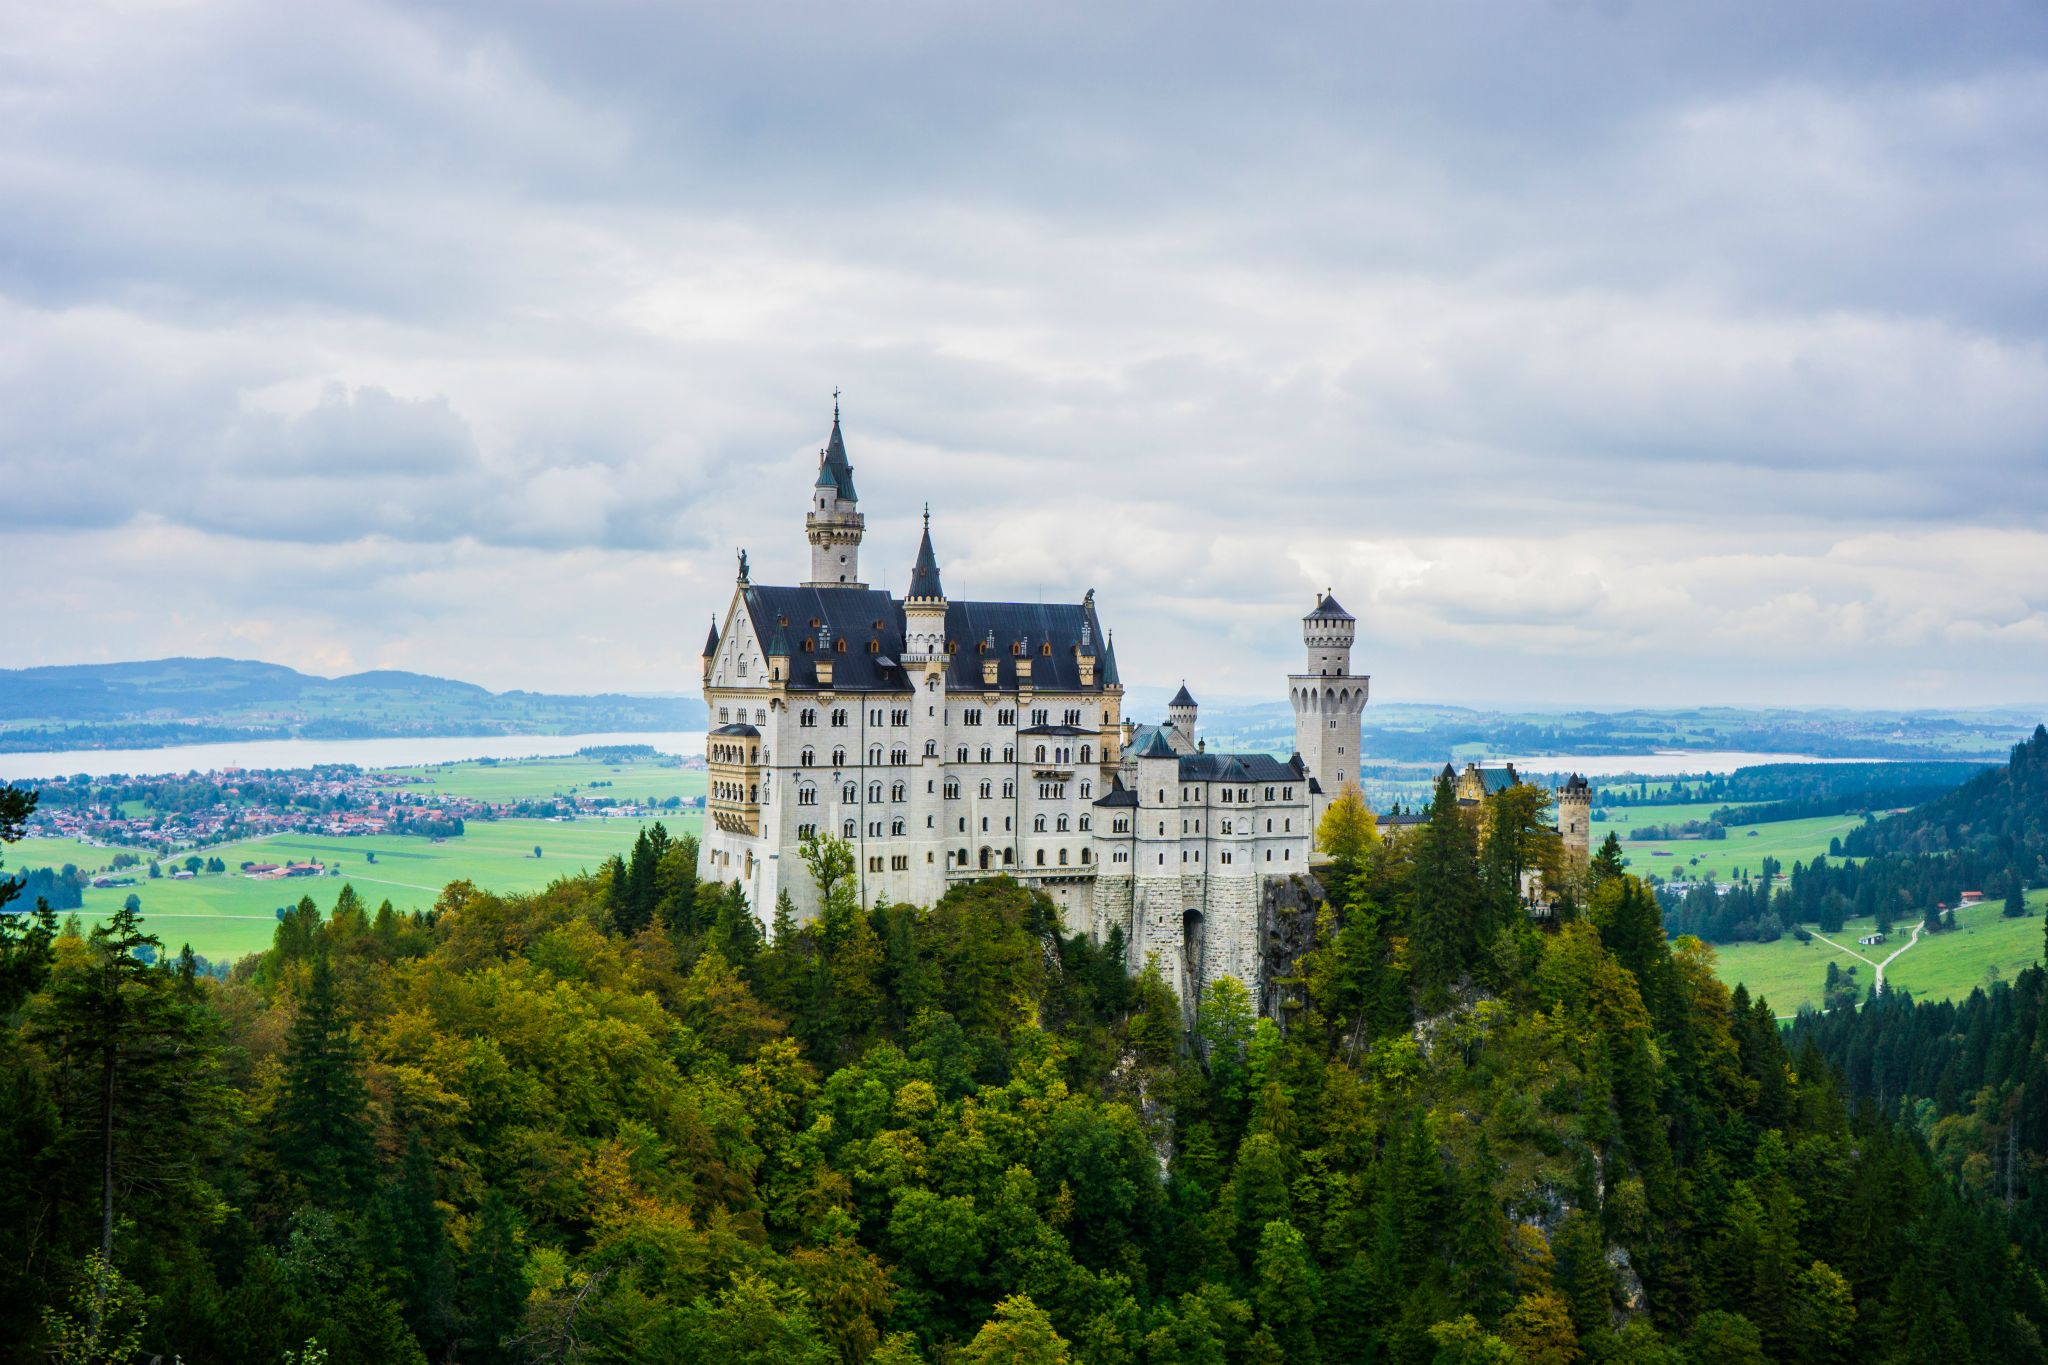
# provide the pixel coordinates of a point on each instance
(1941, 966)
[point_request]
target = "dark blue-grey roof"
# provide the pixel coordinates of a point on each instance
(924, 575)
(870, 622)
(834, 471)
(711, 645)
(1058, 731)
(1156, 745)
(1236, 768)
(1118, 794)
(1181, 698)
(1328, 609)
(1492, 780)
(740, 730)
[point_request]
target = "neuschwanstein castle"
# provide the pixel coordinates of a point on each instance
(947, 740)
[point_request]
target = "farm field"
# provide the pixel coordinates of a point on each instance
(1788, 841)
(1790, 974)
(640, 780)
(225, 917)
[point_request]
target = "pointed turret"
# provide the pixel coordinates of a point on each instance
(834, 524)
(924, 575)
(834, 471)
(711, 641)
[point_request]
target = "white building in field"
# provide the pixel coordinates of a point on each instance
(947, 740)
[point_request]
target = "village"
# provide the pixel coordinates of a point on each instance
(168, 815)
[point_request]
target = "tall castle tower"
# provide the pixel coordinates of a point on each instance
(1328, 699)
(1575, 816)
(834, 523)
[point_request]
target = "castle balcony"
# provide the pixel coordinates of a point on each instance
(733, 772)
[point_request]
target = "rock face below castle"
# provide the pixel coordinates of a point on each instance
(948, 739)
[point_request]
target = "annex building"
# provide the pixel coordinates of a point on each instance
(947, 739)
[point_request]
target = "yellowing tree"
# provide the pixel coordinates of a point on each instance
(1348, 828)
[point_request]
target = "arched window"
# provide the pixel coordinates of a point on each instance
(808, 758)
(1041, 857)
(899, 756)
(875, 755)
(1086, 857)
(1009, 789)
(1085, 751)
(1009, 753)
(1087, 790)
(1087, 822)
(896, 827)
(839, 758)
(807, 718)
(807, 795)
(846, 829)
(1063, 857)
(987, 754)
(931, 748)
(962, 754)
(1009, 856)
(1038, 824)
(849, 793)
(839, 716)
(1061, 824)
(952, 789)
(874, 791)
(896, 792)
(1041, 754)
(987, 789)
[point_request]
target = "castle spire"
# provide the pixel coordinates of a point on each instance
(924, 576)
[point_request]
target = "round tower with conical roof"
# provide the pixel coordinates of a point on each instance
(833, 523)
(1181, 713)
(1328, 700)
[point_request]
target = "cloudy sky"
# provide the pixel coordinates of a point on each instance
(1593, 351)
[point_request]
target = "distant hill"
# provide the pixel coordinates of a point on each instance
(1999, 816)
(157, 702)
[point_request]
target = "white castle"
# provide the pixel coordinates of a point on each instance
(950, 740)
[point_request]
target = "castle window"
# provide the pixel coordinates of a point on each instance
(1060, 824)
(874, 829)
(896, 827)
(839, 758)
(952, 789)
(987, 754)
(963, 824)
(1087, 857)
(931, 748)
(1269, 826)
(1287, 826)
(839, 716)
(846, 830)
(1287, 793)
(1009, 856)
(724, 715)
(1009, 789)
(1063, 857)
(1226, 827)
(1087, 790)
(1041, 857)
(807, 718)
(1226, 857)
(961, 754)
(1087, 822)
(1084, 753)
(849, 793)
(972, 715)
(896, 791)
(1009, 753)
(1269, 793)
(806, 832)
(806, 795)
(899, 756)
(1074, 716)
(839, 645)
(743, 668)
(1005, 716)
(809, 644)
(986, 789)
(874, 791)
(807, 758)
(1226, 794)
(875, 755)
(874, 646)
(1041, 753)
(899, 717)
(1038, 824)
(875, 716)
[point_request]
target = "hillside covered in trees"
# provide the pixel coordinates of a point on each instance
(615, 1121)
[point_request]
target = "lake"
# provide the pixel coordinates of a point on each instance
(306, 753)
(1663, 763)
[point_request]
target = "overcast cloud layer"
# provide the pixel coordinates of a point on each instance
(1592, 352)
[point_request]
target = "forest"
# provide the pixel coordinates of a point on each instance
(622, 1119)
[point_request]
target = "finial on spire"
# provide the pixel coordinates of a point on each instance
(927, 518)
(835, 405)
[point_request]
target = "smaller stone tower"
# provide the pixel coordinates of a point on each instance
(1575, 816)
(1328, 699)
(924, 607)
(834, 523)
(1180, 718)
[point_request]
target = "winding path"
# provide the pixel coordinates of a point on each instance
(1917, 927)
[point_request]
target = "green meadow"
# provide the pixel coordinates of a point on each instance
(226, 916)
(542, 777)
(1745, 848)
(1985, 946)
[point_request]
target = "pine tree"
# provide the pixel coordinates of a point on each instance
(321, 1127)
(1443, 898)
(409, 1243)
(494, 1285)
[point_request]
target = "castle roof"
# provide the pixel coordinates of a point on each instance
(1156, 746)
(834, 471)
(711, 644)
(1181, 698)
(1118, 794)
(924, 575)
(1577, 783)
(870, 623)
(738, 729)
(1235, 768)
(1329, 609)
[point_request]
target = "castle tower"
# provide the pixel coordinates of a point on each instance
(1180, 718)
(711, 649)
(834, 523)
(1575, 816)
(924, 607)
(1328, 699)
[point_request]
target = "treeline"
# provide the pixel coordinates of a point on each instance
(1815, 788)
(2000, 815)
(1968, 1078)
(615, 1120)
